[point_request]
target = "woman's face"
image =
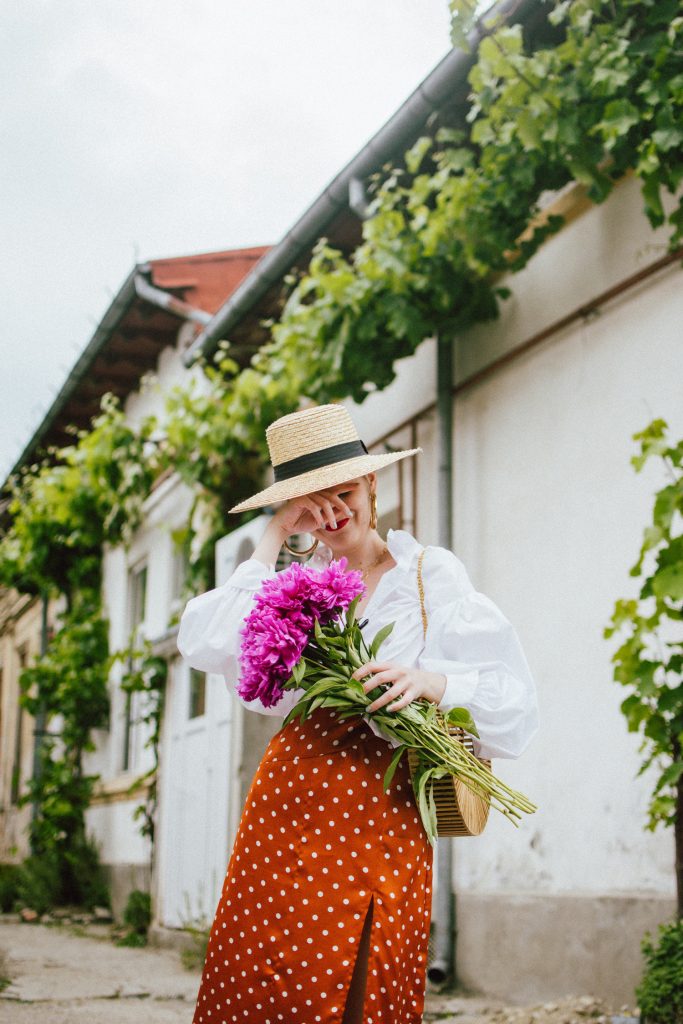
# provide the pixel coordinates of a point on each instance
(349, 531)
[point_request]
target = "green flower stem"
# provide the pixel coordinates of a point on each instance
(418, 727)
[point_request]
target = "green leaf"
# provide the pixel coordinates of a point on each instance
(461, 717)
(417, 152)
(380, 637)
(671, 776)
(668, 582)
(389, 774)
(299, 670)
(351, 612)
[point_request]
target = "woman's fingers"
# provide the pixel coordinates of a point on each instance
(388, 696)
(370, 666)
(331, 505)
(341, 505)
(314, 509)
(326, 505)
(336, 501)
(390, 675)
(321, 506)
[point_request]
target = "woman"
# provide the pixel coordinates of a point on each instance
(325, 910)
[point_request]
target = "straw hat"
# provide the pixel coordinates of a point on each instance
(315, 448)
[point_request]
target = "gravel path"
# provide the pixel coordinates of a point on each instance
(57, 976)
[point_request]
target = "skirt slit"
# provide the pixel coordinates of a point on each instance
(355, 1002)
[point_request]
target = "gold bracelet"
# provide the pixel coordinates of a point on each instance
(301, 554)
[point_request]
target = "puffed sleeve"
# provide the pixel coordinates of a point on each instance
(472, 643)
(209, 632)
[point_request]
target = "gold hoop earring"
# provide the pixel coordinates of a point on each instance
(373, 510)
(301, 554)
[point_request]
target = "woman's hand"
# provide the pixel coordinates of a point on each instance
(299, 515)
(409, 684)
(310, 512)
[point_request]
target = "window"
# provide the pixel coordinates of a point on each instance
(15, 790)
(137, 584)
(197, 693)
(178, 574)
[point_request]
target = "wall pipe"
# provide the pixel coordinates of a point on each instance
(442, 967)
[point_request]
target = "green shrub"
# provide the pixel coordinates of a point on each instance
(194, 955)
(660, 993)
(138, 912)
(84, 881)
(9, 887)
(135, 939)
(39, 884)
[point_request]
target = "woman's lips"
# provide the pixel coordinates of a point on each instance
(340, 526)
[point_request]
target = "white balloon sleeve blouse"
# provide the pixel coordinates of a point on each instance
(468, 640)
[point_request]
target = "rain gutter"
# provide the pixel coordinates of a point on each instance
(164, 300)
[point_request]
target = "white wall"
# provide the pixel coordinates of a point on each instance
(549, 516)
(165, 509)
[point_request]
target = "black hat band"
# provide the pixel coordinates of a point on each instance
(316, 460)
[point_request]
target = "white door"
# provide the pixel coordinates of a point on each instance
(195, 769)
(201, 773)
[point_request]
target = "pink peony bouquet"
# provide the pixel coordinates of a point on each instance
(302, 633)
(282, 623)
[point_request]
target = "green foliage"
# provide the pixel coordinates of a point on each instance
(66, 507)
(599, 102)
(146, 674)
(649, 661)
(69, 685)
(39, 885)
(137, 917)
(62, 512)
(86, 883)
(193, 956)
(71, 679)
(56, 877)
(137, 914)
(660, 993)
(603, 101)
(9, 887)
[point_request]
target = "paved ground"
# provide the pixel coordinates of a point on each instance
(60, 977)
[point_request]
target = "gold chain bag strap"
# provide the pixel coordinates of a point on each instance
(459, 811)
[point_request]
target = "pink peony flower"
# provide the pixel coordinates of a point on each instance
(281, 624)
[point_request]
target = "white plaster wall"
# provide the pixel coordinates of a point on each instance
(549, 516)
(117, 833)
(166, 509)
(593, 253)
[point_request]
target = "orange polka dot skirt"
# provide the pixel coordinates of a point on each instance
(319, 842)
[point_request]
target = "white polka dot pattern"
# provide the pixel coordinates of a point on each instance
(317, 842)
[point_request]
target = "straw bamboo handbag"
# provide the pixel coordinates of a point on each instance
(459, 811)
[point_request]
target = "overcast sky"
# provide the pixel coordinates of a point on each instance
(135, 129)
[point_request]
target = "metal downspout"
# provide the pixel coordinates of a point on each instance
(443, 965)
